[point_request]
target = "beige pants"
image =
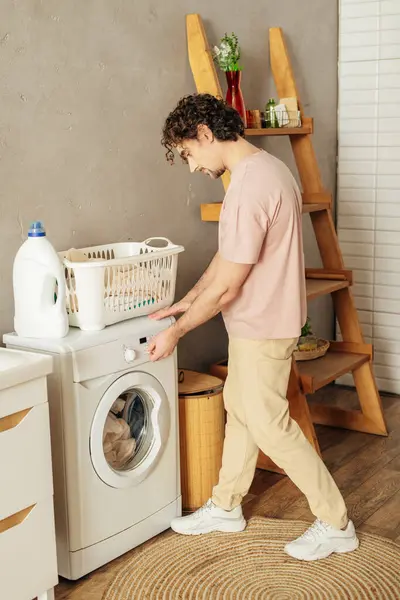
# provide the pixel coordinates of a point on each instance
(258, 417)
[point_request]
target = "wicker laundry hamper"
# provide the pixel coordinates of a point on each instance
(202, 431)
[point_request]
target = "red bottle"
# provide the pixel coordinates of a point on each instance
(234, 96)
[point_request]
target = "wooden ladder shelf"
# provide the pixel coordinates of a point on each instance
(352, 354)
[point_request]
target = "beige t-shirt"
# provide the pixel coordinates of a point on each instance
(261, 224)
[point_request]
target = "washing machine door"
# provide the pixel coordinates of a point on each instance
(129, 430)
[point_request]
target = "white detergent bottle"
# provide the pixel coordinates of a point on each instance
(39, 288)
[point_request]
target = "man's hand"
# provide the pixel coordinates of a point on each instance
(176, 309)
(163, 344)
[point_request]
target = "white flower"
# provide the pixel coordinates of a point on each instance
(225, 48)
(228, 53)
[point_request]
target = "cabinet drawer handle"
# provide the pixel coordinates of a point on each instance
(15, 519)
(11, 421)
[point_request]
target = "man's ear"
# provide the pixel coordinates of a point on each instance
(204, 132)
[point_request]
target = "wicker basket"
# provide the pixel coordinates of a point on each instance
(321, 350)
(202, 428)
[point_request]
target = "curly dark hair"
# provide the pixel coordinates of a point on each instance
(200, 109)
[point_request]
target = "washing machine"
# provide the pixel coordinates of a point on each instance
(108, 501)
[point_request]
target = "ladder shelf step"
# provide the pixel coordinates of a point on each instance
(315, 374)
(322, 287)
(305, 129)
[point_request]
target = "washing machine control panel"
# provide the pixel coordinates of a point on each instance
(130, 354)
(110, 358)
(133, 351)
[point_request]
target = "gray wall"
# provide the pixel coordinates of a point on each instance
(85, 87)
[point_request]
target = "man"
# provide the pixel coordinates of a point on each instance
(256, 280)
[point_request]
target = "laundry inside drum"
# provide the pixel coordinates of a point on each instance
(128, 434)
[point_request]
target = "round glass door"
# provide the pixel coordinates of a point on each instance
(129, 430)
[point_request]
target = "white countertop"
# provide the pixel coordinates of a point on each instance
(18, 367)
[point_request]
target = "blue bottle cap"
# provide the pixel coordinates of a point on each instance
(36, 229)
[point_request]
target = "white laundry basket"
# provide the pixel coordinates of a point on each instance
(115, 282)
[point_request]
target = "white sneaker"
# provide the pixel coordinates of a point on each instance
(320, 540)
(210, 518)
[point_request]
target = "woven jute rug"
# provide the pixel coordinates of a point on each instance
(252, 566)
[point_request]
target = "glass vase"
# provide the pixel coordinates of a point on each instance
(234, 96)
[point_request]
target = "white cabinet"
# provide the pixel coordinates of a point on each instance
(28, 562)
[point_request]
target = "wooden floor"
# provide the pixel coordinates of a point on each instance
(366, 468)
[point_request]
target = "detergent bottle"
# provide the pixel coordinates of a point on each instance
(39, 288)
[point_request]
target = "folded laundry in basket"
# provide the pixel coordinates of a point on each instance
(118, 444)
(134, 284)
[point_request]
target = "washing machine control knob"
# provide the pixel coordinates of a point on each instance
(129, 354)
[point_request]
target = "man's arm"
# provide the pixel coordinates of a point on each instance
(184, 304)
(204, 280)
(223, 288)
